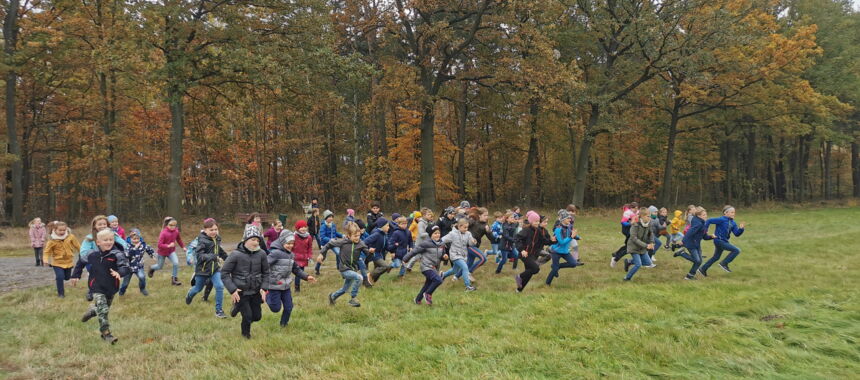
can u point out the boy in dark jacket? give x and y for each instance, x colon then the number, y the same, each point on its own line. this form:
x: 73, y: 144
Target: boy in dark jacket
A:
x: 283, y: 266
x: 352, y: 253
x: 245, y: 273
x: 314, y: 226
x: 446, y: 221
x: 506, y: 241
x: 209, y: 256
x: 377, y: 243
x: 107, y: 265
x: 374, y: 214
x: 400, y: 244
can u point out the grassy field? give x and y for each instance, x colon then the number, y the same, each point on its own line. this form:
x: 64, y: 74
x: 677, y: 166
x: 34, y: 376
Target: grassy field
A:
x: 789, y: 310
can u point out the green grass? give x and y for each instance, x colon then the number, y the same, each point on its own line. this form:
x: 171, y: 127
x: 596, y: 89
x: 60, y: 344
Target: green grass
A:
x: 798, y: 265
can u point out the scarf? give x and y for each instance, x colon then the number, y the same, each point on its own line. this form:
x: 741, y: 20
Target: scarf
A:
x: 303, y: 235
x: 57, y: 237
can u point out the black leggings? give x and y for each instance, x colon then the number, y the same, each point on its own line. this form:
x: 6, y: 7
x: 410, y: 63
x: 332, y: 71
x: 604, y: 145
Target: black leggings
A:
x: 38, y: 253
x: 532, y: 268
x: 249, y: 306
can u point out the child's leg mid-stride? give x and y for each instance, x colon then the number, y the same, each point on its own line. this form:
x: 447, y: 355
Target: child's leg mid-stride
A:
x: 431, y: 282
x: 352, y: 280
x: 276, y: 298
x: 504, y: 255
x: 569, y: 262
x: 638, y: 261
x: 718, y: 253
x: 476, y: 259
x: 100, y: 308
x: 249, y: 306
x: 459, y: 267
x: 532, y: 268
x: 60, y: 275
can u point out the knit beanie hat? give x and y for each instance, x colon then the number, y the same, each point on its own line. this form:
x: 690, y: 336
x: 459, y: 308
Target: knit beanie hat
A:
x: 652, y: 209
x: 381, y: 222
x: 301, y: 223
x: 134, y: 232
x: 290, y: 238
x: 465, y: 204
x: 394, y: 216
x: 360, y: 224
x: 112, y: 219
x: 350, y: 212
x: 327, y: 213
x: 533, y: 217
x: 449, y: 210
x: 563, y: 214
x: 416, y: 214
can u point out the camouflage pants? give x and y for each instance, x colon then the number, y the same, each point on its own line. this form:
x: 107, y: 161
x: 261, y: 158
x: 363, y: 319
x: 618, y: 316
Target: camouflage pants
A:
x: 101, y: 307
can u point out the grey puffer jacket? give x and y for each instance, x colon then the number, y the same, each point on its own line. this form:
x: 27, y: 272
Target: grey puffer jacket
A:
x: 459, y: 243
x: 431, y: 254
x: 246, y: 270
x: 282, y: 265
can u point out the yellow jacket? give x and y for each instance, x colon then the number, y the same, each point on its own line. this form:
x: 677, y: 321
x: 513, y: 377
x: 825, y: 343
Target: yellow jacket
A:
x: 677, y: 223
x: 61, y: 252
x: 413, y: 228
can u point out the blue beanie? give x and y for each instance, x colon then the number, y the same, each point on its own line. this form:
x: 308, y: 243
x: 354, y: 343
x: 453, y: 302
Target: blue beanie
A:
x: 381, y: 222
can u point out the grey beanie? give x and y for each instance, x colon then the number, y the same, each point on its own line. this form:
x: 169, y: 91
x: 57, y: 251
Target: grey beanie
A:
x: 327, y: 213
x: 465, y: 204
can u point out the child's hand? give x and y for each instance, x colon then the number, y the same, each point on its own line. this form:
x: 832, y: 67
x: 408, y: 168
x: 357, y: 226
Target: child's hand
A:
x: 235, y: 296
x: 743, y: 224
x: 115, y: 274
x: 369, y: 279
x: 171, y: 245
x: 574, y: 232
x: 524, y: 254
x: 650, y: 246
x: 372, y: 250
x: 74, y: 282
x: 445, y: 257
x: 319, y: 259
x: 312, y: 279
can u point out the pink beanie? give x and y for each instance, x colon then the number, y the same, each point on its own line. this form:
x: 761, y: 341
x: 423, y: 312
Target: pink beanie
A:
x: 350, y: 212
x: 533, y: 217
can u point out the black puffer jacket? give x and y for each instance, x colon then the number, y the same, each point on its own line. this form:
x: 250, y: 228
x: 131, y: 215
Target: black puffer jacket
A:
x: 101, y: 264
x: 445, y: 225
x: 245, y: 270
x: 209, y: 255
x: 282, y: 266
x: 532, y: 240
x: 479, y: 230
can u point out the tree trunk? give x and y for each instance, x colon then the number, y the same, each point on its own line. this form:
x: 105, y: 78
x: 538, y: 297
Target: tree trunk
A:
x: 666, y: 189
x: 177, y: 130
x: 855, y: 166
x: 428, y: 161
x: 461, y: 141
x: 10, y: 39
x: 828, y: 188
x: 752, y: 181
x: 584, y: 154
x: 531, y: 158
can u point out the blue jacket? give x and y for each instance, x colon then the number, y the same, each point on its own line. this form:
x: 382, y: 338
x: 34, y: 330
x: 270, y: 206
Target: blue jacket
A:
x: 496, y: 230
x: 725, y: 227
x: 400, y: 243
x: 89, y: 245
x: 562, y: 240
x: 378, y: 240
x: 328, y: 233
x: 697, y: 232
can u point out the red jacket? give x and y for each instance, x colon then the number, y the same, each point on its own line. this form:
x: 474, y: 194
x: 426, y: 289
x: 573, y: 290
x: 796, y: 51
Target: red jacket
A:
x: 303, y: 249
x: 165, y: 238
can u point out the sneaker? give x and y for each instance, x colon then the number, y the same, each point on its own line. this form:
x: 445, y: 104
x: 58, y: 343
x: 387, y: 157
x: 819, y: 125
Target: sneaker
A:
x: 317, y: 271
x: 651, y: 266
x: 122, y: 292
x: 418, y: 300
x: 454, y: 278
x: 331, y: 299
x: 88, y: 315
x: 246, y: 336
x: 471, y: 279
x: 625, y: 279
x: 89, y: 297
x: 612, y: 262
x: 689, y: 277
x: 188, y: 299
x: 653, y: 259
x: 519, y: 281
x: 703, y: 273
x: 470, y: 289
x: 234, y: 310
x: 725, y: 267
x: 677, y: 253
x: 61, y: 296
x: 220, y: 314
x: 150, y: 272
x: 627, y: 265
x: 354, y: 303
x: 107, y: 337
x: 144, y: 292
x: 428, y: 298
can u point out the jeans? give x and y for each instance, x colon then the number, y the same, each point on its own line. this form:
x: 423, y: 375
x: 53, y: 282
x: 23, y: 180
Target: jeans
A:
x: 249, y: 307
x: 38, y: 253
x: 431, y: 282
x: 200, y: 281
x: 398, y: 263
x: 141, y: 280
x: 351, y: 280
x: 494, y: 250
x: 657, y: 245
x: 695, y: 257
x: 461, y: 270
x: 504, y: 256
x: 276, y: 298
x: 173, y: 260
x: 719, y: 247
x: 639, y: 259
x: 60, y: 275
x: 570, y: 262
x: 476, y: 258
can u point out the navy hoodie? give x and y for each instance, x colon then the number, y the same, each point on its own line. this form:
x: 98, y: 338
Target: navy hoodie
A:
x: 400, y: 243
x: 377, y: 240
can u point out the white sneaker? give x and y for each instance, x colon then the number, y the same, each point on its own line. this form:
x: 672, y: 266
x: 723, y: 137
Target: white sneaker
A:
x: 454, y: 278
x: 471, y: 279
x: 612, y: 262
x: 651, y: 266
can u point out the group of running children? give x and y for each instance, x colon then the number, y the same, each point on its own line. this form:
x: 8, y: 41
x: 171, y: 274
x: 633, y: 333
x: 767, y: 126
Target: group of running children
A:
x: 266, y: 266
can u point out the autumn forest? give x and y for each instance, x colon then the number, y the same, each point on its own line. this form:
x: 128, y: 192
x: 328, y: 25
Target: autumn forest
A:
x: 147, y: 108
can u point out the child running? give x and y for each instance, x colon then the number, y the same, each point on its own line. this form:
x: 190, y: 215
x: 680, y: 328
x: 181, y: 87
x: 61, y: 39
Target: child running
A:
x: 507, y: 241
x: 400, y: 244
x: 459, y: 240
x: 244, y: 273
x: 675, y: 228
x: 432, y: 252
x: 565, y: 235
x: 693, y: 242
x: 350, y: 264
x: 377, y: 244
x: 302, y: 249
x: 113, y: 223
x: 283, y: 266
x: 530, y: 241
x: 136, y: 249
x: 641, y: 241
x: 168, y: 239
x: 210, y: 257
x: 107, y: 266
x: 328, y: 232
x: 726, y: 226
x: 60, y: 253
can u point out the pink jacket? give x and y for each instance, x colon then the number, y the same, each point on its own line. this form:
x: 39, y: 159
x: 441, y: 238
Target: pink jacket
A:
x: 165, y: 238
x: 37, y: 236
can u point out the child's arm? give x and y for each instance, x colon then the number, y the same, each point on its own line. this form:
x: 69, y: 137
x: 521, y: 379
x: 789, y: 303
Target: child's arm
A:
x: 122, y: 266
x: 737, y: 230
x: 298, y: 272
x: 78, y: 270
x: 48, y: 252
